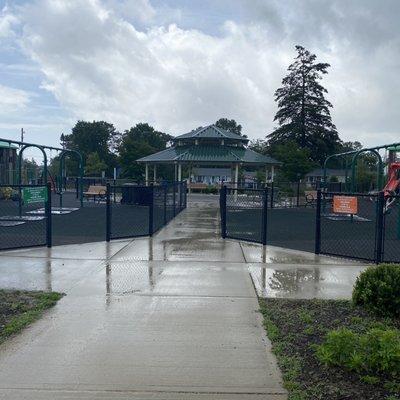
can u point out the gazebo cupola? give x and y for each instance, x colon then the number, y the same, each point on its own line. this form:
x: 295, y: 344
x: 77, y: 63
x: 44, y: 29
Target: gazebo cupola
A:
x: 208, y: 146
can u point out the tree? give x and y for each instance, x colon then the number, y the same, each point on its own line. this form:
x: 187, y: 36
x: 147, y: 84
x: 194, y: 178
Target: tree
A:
x: 94, y: 166
x: 140, y: 141
x: 350, y: 146
x: 93, y: 137
x: 30, y: 170
x: 230, y: 125
x: 296, y: 160
x: 303, y: 112
x: 259, y: 145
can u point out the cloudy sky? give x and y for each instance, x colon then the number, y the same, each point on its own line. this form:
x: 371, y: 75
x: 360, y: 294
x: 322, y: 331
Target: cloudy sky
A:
x: 179, y: 64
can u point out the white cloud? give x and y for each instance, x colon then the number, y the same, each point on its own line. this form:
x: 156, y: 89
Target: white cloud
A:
x: 7, y: 23
x: 113, y: 60
x: 12, y: 100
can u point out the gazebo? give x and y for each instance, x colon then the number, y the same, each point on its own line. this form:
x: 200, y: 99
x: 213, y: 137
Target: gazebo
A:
x: 212, y: 147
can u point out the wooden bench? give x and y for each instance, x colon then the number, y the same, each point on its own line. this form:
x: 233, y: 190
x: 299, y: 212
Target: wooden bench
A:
x: 96, y: 191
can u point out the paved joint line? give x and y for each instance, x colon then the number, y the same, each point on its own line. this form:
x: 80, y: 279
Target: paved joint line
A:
x: 243, y: 254
x: 271, y: 391
x: 200, y: 296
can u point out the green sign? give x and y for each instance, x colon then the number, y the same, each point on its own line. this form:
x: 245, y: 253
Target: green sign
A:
x: 34, y: 195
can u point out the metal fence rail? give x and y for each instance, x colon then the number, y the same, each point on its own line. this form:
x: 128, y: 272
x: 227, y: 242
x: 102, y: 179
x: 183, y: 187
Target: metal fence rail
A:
x: 124, y: 211
x: 369, y: 232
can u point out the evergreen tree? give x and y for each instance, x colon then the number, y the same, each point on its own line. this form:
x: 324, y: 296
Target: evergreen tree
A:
x: 304, y: 112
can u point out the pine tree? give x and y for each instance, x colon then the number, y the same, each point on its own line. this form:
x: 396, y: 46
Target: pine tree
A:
x: 303, y: 111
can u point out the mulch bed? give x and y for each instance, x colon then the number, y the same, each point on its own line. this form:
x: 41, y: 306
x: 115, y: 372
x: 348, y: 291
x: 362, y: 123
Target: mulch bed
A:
x: 296, y: 326
x: 20, y: 308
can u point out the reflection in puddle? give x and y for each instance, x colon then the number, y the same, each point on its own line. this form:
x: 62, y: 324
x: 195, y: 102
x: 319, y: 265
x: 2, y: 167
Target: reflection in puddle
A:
x: 301, y: 280
x: 128, y: 276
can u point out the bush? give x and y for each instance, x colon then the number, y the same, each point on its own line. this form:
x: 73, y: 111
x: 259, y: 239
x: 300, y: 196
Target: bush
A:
x: 377, y: 351
x: 211, y: 190
x: 6, y: 193
x: 378, y: 289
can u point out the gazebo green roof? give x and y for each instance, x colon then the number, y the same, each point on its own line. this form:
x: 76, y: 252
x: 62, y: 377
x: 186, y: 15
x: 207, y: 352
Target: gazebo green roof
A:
x: 210, y: 145
x: 211, y: 132
x: 209, y: 154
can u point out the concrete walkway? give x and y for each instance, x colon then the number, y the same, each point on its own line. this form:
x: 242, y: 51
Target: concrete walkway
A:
x: 172, y: 317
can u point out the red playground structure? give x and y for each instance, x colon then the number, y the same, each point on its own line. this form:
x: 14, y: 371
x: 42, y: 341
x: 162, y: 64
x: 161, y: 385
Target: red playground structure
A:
x: 392, y: 187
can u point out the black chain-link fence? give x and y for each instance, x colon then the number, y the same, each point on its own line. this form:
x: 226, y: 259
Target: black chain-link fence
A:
x: 349, y: 234
x: 291, y: 227
x: 242, y: 212
x: 130, y: 208
x: 31, y: 215
x: 352, y: 225
x: 24, y: 215
x: 135, y: 210
x: 391, y: 230
x: 246, y: 214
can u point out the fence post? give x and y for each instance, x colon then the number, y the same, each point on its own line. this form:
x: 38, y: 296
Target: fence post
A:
x: 151, y: 210
x: 108, y: 213
x: 174, y: 197
x: 49, y: 226
x: 379, y: 236
x: 318, y: 223
x: 272, y: 194
x: 298, y: 194
x: 222, y: 207
x: 264, y: 217
x: 165, y: 203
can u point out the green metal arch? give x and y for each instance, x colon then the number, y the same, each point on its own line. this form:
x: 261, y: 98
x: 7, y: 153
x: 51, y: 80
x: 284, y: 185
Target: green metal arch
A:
x: 379, y: 169
x: 20, y: 154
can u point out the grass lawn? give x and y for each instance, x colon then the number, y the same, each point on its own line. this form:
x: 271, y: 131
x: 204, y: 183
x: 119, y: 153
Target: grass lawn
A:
x: 295, y: 327
x: 19, y: 308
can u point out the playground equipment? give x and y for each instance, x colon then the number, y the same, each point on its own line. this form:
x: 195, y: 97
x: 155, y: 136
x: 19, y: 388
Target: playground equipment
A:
x: 393, y: 169
x: 392, y: 186
x: 23, y: 146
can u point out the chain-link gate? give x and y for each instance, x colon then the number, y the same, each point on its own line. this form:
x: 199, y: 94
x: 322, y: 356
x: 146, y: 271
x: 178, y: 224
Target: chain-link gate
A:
x: 243, y: 214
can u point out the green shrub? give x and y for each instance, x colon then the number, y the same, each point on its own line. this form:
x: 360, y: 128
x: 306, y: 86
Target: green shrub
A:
x: 378, y: 289
x: 376, y: 351
x: 211, y: 190
x: 6, y: 193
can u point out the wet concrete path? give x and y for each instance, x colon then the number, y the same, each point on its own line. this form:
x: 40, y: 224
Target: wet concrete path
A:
x: 171, y: 317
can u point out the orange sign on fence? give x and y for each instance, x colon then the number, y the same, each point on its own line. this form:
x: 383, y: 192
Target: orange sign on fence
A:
x: 345, y: 204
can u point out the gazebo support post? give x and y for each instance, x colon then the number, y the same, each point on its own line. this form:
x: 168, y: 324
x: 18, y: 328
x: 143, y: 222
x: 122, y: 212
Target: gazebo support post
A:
x: 236, y: 181
x: 190, y: 178
x: 175, y: 171
x: 147, y: 174
x: 155, y: 173
x: 272, y: 173
x: 179, y: 172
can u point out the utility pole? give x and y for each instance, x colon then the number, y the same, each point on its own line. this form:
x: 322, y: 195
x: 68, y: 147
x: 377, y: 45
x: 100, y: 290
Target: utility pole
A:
x: 22, y: 134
